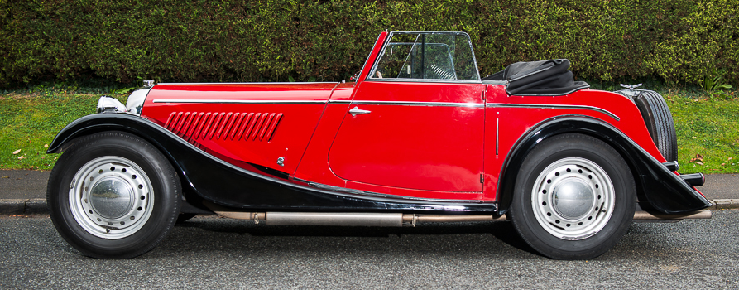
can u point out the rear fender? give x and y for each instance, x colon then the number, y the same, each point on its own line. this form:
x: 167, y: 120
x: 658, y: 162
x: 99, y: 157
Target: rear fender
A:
x: 660, y: 188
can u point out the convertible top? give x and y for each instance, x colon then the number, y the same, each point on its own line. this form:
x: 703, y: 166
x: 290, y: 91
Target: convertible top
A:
x: 541, y: 77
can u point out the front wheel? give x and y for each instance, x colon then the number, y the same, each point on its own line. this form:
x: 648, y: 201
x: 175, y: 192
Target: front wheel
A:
x: 113, y: 195
x: 574, y: 197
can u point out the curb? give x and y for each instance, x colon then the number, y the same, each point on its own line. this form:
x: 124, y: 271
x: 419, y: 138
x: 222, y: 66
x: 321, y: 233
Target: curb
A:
x: 23, y: 206
x: 38, y: 206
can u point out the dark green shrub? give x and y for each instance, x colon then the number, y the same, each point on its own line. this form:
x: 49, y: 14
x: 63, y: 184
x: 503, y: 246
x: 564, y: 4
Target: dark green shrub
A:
x: 166, y: 40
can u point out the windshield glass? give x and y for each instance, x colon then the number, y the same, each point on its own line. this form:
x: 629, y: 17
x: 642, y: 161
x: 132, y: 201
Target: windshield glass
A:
x: 445, y: 56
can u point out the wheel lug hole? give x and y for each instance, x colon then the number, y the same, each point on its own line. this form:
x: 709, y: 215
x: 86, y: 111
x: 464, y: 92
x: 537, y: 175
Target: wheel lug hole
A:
x: 112, y: 169
x: 132, y: 217
x: 568, y: 170
x: 143, y: 197
x: 123, y: 170
x: 549, y: 181
x: 549, y: 214
x: 579, y: 171
x: 556, y: 221
x: 133, y: 176
x: 544, y: 191
x: 556, y: 174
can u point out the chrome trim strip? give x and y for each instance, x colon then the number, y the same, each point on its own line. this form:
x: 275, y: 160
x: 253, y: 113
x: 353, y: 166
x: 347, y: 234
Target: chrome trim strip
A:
x: 409, y: 80
x: 555, y: 106
x: 255, y: 83
x: 405, y: 103
x: 221, y: 101
x: 369, y: 194
x: 497, y: 132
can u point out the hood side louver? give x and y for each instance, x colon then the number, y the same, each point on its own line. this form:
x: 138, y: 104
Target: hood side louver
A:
x: 231, y: 126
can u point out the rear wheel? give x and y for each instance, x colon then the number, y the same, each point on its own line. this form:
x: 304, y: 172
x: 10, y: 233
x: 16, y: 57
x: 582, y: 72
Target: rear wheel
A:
x: 574, y: 197
x: 113, y: 195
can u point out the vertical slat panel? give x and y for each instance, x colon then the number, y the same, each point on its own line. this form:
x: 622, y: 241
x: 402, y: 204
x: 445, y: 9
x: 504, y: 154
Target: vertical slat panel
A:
x: 216, y: 125
x: 267, y: 123
x: 244, y: 125
x: 182, y: 127
x: 236, y: 126
x: 195, y: 123
x: 257, y: 127
x: 180, y: 118
x: 172, y: 116
x: 273, y: 127
x: 203, y: 123
x: 252, y: 124
x: 225, y: 125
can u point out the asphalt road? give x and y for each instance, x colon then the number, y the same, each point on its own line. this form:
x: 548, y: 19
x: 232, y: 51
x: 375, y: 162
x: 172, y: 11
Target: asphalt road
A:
x: 209, y: 252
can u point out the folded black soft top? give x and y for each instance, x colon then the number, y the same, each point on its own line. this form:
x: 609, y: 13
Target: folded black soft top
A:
x: 539, y: 78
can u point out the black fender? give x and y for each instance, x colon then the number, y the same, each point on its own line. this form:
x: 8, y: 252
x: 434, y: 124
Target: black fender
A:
x: 251, y: 186
x: 656, y: 185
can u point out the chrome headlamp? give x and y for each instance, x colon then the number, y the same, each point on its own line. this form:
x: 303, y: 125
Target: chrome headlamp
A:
x: 134, y: 103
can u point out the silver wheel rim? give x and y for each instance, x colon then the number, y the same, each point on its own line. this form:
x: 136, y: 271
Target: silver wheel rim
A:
x: 111, y: 197
x: 573, y: 198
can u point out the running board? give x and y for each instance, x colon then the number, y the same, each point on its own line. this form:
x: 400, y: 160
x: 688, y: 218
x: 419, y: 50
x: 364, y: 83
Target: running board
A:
x: 400, y: 219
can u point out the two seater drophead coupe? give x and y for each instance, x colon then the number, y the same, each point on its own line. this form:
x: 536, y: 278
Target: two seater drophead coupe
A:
x: 417, y: 136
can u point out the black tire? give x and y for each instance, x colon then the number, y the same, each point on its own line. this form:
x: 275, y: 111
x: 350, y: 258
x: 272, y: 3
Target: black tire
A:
x: 565, y: 190
x: 657, y: 118
x: 113, y: 195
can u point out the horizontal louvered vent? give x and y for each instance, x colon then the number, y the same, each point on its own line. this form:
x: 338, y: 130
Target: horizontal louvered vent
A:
x: 225, y: 126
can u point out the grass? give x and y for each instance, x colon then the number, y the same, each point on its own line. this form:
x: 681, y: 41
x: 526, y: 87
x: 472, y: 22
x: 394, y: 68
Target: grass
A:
x: 707, y: 125
x: 707, y: 131
x: 29, y: 122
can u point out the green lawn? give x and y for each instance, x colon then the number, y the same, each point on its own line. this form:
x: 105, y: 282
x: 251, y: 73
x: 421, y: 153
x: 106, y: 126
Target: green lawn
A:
x: 29, y: 122
x: 707, y: 125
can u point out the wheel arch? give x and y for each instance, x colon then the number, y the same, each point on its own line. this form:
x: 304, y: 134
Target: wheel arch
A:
x: 656, y: 186
x: 134, y: 125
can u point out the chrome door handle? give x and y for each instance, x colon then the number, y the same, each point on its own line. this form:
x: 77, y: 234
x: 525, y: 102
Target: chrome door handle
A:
x: 357, y: 111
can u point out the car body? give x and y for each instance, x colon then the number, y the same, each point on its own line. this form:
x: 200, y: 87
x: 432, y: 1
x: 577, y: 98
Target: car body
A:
x: 419, y: 136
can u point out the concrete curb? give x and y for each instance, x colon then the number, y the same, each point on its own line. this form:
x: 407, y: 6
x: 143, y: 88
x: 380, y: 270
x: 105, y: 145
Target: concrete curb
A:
x: 38, y: 206
x: 23, y: 206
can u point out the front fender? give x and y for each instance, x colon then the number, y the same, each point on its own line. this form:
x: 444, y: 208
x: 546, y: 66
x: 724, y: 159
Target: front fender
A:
x: 660, y: 188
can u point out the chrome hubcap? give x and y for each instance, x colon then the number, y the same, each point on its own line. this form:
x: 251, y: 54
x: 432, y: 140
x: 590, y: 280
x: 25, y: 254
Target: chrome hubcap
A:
x: 573, y: 198
x: 111, y: 197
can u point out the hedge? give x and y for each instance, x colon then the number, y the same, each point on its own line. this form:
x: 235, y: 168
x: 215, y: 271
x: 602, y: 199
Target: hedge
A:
x: 170, y: 40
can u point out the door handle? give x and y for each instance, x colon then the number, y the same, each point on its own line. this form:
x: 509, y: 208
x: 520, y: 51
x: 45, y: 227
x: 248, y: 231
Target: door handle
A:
x: 357, y: 111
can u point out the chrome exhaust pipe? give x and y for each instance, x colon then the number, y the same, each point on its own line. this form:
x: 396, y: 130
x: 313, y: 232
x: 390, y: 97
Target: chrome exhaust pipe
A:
x: 399, y: 219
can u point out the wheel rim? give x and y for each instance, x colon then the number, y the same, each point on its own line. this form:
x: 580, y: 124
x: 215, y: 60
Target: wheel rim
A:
x: 111, y: 197
x: 573, y: 198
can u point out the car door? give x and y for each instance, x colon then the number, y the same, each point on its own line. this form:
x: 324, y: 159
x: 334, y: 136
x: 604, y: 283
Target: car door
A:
x: 417, y: 122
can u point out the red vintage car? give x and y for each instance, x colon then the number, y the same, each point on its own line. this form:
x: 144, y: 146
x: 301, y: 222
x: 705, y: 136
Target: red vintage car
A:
x: 419, y: 136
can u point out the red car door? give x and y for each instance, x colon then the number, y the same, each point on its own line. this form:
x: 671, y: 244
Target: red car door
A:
x: 415, y: 124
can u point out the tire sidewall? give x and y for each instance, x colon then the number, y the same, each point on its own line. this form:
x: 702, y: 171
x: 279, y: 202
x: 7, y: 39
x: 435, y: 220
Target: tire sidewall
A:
x: 552, y: 150
x: 165, y: 188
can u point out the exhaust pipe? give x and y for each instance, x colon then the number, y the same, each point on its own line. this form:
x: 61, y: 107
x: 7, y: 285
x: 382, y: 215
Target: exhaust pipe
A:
x: 399, y: 219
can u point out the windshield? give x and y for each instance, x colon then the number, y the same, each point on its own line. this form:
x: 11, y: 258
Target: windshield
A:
x: 445, y: 56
